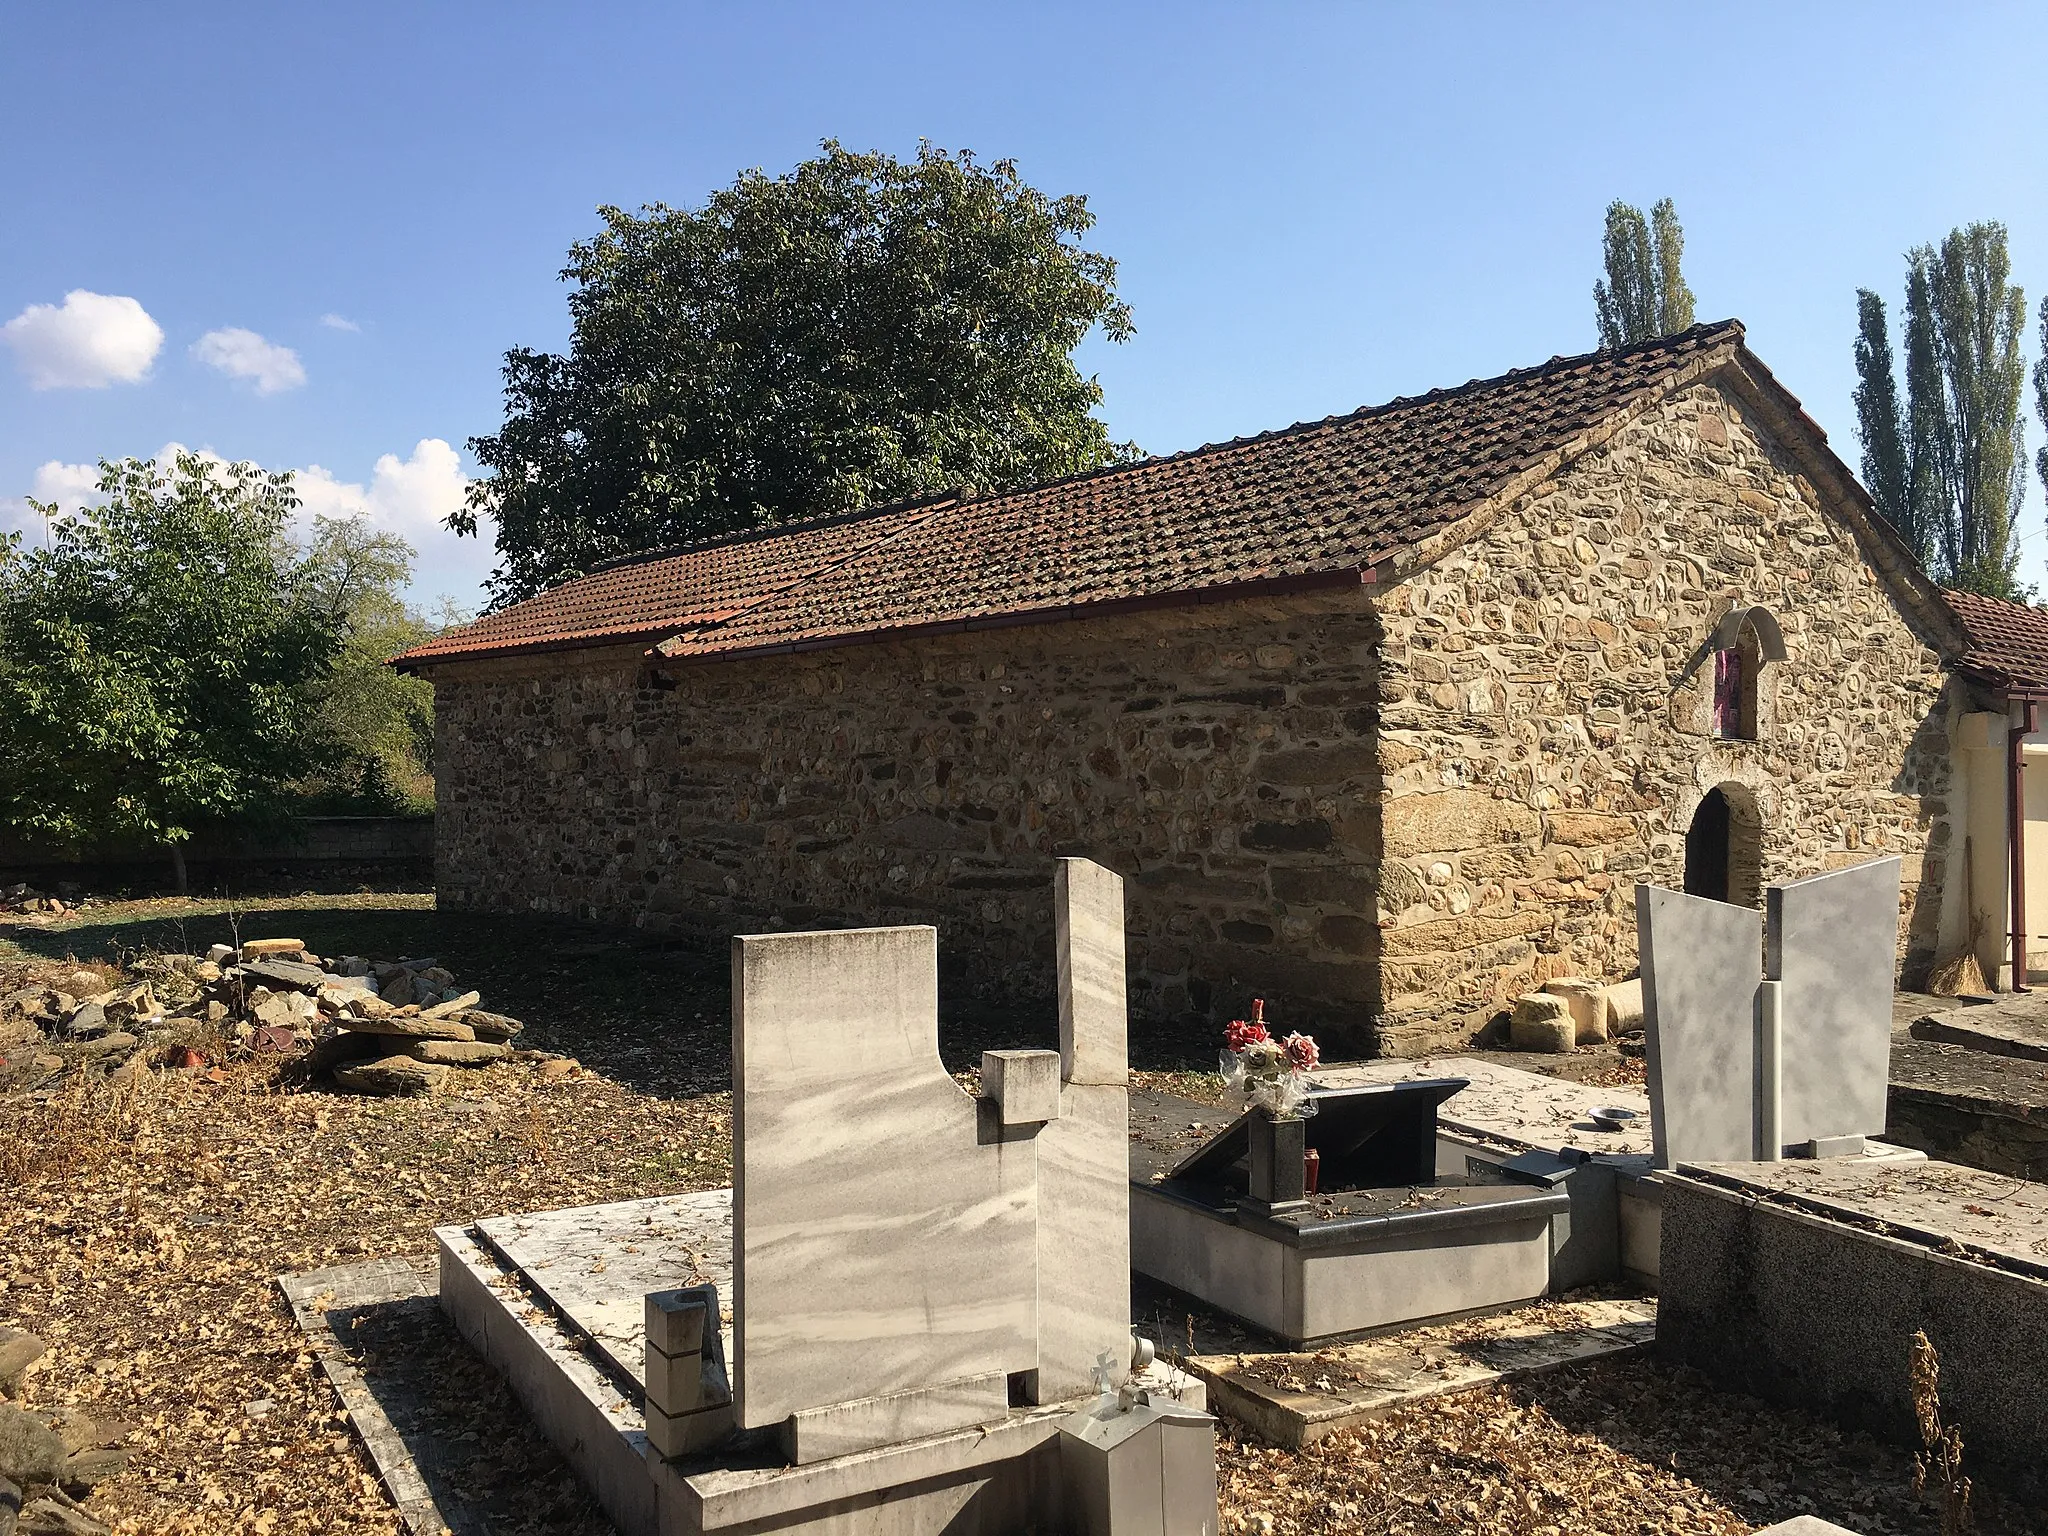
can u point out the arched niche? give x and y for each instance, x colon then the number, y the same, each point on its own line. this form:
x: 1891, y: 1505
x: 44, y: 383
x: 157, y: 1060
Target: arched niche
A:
x: 1724, y: 846
x: 1745, y: 642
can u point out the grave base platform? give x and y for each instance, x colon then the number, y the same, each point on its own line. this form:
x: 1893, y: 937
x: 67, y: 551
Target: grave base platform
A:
x: 1343, y: 1263
x: 554, y: 1302
x: 1804, y: 1283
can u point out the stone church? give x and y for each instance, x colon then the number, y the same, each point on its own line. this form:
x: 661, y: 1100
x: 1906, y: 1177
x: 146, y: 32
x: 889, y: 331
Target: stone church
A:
x: 1382, y: 716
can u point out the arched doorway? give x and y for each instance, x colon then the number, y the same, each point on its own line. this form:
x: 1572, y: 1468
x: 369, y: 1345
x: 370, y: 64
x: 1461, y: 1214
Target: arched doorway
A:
x: 1724, y: 847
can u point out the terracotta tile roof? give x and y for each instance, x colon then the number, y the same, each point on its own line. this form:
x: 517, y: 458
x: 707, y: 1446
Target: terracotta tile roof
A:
x: 2008, y: 642
x: 1320, y: 501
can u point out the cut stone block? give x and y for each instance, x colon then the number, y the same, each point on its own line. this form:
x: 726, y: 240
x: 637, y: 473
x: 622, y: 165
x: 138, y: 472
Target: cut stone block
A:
x: 1836, y: 1146
x: 411, y: 1026
x: 1702, y: 965
x: 1541, y: 1022
x: 1024, y: 1086
x: 1625, y: 1007
x: 1140, y: 1471
x: 256, y: 948
x: 1587, y: 1000
x: 674, y: 1435
x: 457, y: 1053
x: 1833, y: 946
x: 677, y: 1321
x: 879, y: 1246
x: 392, y: 1075
x: 1088, y: 933
x: 820, y: 1434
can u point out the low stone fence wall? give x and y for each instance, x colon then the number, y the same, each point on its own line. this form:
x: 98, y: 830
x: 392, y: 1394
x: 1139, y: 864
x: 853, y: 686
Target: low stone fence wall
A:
x: 402, y: 845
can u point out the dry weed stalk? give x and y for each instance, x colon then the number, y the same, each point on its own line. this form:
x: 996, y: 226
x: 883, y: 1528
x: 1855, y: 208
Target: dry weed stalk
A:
x: 1943, y: 1453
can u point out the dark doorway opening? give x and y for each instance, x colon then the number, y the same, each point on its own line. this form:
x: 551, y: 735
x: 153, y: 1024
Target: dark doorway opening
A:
x: 1706, y: 849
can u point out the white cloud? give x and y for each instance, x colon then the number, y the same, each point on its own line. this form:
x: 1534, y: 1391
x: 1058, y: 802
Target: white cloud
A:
x: 335, y: 322
x: 89, y: 341
x: 407, y: 496
x: 243, y: 354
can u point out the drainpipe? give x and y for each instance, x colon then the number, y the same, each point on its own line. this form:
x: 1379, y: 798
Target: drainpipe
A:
x: 2016, y: 838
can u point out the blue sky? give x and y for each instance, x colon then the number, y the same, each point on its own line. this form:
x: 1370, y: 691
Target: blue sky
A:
x: 1315, y: 207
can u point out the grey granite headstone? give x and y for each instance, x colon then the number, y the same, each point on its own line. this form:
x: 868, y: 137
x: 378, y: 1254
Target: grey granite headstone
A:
x: 1832, y: 943
x: 1702, y: 961
x: 880, y: 1245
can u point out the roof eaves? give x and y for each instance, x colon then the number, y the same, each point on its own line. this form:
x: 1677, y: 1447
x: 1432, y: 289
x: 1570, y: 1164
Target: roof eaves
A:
x: 1223, y: 592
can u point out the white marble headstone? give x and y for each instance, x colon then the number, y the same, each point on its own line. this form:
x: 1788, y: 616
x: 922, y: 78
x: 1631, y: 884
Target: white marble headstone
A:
x: 1832, y: 942
x: 1084, y: 1178
x: 1702, y: 961
x: 881, y: 1246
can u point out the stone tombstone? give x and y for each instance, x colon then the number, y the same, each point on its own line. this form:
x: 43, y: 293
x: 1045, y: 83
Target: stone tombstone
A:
x: 906, y: 1258
x: 1759, y: 1040
x: 1084, y: 1172
x: 881, y: 1246
x: 1702, y: 962
x: 1831, y: 944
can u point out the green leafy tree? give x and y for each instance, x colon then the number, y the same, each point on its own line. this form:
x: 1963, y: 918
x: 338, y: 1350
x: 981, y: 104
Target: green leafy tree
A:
x: 859, y: 330
x: 154, y: 661
x: 1948, y: 470
x: 372, y: 728
x: 1644, y: 295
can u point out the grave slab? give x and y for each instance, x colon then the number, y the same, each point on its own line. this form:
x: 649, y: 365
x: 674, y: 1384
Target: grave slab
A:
x: 1832, y: 942
x: 1702, y: 963
x: 595, y: 1264
x: 1294, y: 1400
x: 857, y: 1162
x: 2014, y: 1025
x: 1528, y: 1109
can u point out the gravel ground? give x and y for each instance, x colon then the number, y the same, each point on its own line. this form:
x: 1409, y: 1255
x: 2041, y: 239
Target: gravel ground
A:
x: 147, y: 1220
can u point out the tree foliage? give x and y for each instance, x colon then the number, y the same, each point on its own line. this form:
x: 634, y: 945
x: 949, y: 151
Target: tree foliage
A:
x: 1947, y: 469
x: 372, y: 727
x: 1644, y: 295
x: 154, y: 660
x: 859, y: 330
x: 2041, y: 396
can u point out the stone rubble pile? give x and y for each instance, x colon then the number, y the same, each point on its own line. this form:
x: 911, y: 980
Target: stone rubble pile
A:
x: 26, y: 898
x: 1571, y: 1011
x: 382, y: 1027
x: 48, y: 1461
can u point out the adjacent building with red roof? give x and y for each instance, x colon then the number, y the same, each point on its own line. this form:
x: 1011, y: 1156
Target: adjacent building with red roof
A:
x: 1381, y: 716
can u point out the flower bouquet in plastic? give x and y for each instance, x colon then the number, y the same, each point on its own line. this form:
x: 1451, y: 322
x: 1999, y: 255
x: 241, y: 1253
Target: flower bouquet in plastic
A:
x: 1271, y: 1074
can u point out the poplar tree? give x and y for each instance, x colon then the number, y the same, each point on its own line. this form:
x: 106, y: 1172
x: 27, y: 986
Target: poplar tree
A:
x: 2041, y: 396
x: 1644, y: 294
x: 1948, y: 470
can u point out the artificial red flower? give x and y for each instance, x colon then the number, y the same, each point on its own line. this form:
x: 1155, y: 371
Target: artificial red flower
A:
x: 1302, y: 1055
x: 1241, y: 1033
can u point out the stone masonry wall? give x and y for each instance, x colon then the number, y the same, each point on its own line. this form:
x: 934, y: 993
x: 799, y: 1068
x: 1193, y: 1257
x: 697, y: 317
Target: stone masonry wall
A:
x: 1220, y: 757
x: 1546, y: 715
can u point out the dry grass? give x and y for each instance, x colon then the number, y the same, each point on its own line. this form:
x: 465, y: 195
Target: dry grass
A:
x: 143, y: 1224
